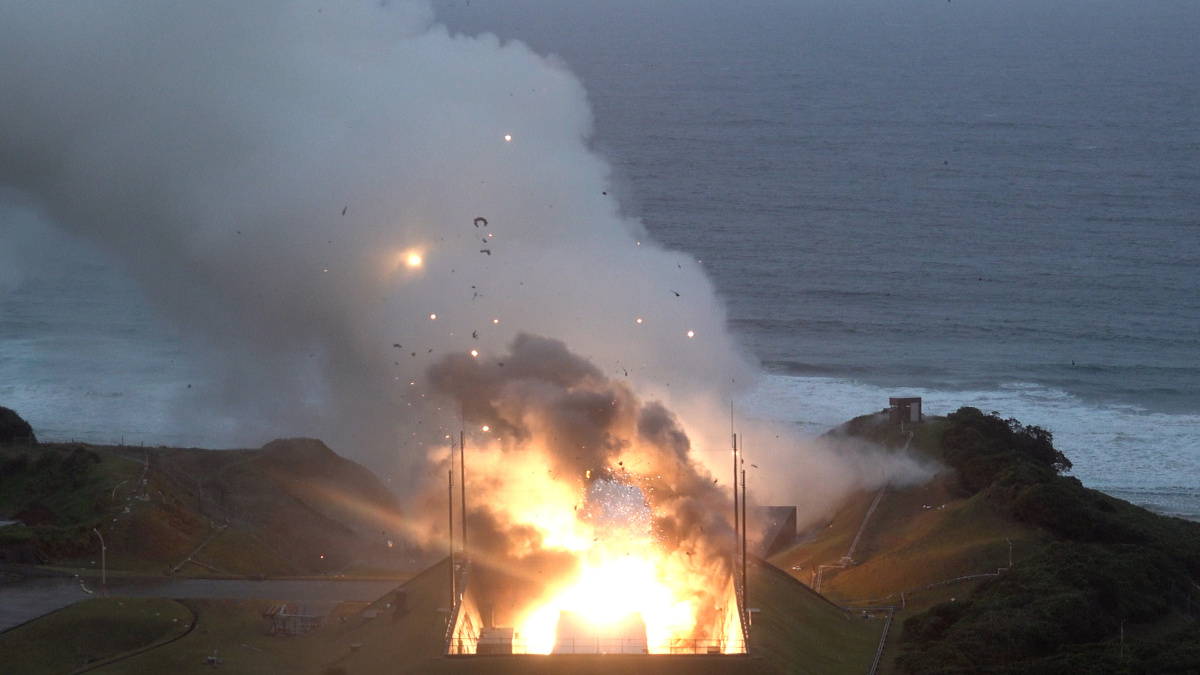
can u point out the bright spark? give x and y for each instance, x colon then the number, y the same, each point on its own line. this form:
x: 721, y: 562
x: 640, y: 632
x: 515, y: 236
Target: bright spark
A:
x: 433, y: 317
x: 507, y: 137
x: 486, y: 428
x: 413, y: 260
x: 639, y: 320
x: 691, y: 333
x: 474, y: 353
x: 495, y: 320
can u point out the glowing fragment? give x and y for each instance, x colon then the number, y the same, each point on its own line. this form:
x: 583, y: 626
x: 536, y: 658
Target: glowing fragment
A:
x: 495, y: 320
x: 433, y: 317
x: 691, y: 333
x: 639, y: 320
x: 507, y: 137
x: 474, y: 353
x: 413, y: 260
x: 486, y: 428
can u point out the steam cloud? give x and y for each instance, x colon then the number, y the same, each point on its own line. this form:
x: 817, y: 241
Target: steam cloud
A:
x: 265, y: 170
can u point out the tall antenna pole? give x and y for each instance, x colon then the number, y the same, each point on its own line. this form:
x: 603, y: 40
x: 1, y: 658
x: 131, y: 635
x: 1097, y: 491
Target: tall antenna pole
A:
x: 745, y: 599
x: 736, y: 530
x: 462, y: 457
x: 453, y: 590
x: 736, y: 526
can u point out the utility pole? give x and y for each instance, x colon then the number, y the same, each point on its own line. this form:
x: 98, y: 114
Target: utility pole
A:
x: 453, y: 590
x: 745, y: 599
x: 462, y: 456
x: 103, y: 564
x: 736, y: 518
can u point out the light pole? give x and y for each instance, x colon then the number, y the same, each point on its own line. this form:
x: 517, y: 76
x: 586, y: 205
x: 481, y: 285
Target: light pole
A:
x: 103, y: 565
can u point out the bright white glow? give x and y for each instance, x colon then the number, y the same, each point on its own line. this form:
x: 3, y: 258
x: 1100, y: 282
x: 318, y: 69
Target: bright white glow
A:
x: 433, y: 317
x: 607, y: 590
x: 486, y: 428
x: 474, y: 353
x: 691, y: 333
x: 639, y: 320
x: 413, y: 260
x: 507, y: 137
x: 495, y: 320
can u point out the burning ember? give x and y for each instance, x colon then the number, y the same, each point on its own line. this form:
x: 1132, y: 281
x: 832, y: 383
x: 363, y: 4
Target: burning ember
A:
x: 587, y: 517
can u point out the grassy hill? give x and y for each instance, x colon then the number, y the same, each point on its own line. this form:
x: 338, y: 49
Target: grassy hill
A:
x: 1095, y: 585
x: 291, y: 507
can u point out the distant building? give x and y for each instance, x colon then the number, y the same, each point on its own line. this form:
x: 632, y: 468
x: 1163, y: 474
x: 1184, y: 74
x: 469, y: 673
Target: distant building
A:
x: 905, y: 409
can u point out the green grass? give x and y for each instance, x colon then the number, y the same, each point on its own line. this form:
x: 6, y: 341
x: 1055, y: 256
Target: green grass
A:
x: 798, y: 631
x: 231, y: 629
x: 89, y: 632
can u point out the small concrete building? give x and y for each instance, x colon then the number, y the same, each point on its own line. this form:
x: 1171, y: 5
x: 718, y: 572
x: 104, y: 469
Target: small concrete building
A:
x: 904, y: 409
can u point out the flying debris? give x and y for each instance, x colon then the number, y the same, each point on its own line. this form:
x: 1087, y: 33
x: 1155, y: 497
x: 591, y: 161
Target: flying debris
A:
x: 481, y: 221
x: 396, y: 345
x: 344, y: 210
x: 474, y: 335
x: 484, y: 250
x: 676, y: 293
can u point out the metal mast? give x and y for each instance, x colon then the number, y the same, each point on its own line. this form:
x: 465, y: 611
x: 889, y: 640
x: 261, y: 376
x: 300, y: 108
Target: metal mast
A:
x: 744, y: 598
x: 453, y: 590
x: 462, y: 456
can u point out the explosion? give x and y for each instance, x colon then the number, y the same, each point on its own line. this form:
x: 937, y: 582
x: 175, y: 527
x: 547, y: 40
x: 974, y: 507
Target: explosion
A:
x: 586, y: 512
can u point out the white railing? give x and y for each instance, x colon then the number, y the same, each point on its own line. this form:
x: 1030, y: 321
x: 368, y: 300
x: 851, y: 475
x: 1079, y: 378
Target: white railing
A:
x: 597, y: 646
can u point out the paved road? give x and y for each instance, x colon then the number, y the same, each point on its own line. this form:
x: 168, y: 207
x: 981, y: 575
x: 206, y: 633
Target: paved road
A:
x: 31, y: 597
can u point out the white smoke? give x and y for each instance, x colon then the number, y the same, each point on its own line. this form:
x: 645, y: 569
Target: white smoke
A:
x: 264, y: 169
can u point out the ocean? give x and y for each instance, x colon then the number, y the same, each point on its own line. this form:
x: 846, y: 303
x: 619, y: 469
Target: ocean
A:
x: 989, y: 204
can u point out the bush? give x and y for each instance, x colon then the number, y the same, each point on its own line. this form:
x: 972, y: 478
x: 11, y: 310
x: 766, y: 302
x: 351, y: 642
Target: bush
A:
x: 13, y: 429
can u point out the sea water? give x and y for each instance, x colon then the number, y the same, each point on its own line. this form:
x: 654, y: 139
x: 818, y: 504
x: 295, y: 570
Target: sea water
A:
x: 989, y: 204
x: 993, y: 204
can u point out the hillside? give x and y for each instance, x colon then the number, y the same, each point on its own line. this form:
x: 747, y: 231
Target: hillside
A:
x: 1095, y: 584
x: 291, y: 507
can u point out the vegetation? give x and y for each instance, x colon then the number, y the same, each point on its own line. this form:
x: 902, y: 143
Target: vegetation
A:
x: 14, y: 429
x: 90, y: 632
x: 58, y: 494
x: 798, y: 631
x: 1113, y: 594
x: 293, y: 507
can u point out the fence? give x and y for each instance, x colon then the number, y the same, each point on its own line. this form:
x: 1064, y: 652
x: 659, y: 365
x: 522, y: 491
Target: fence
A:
x: 476, y: 645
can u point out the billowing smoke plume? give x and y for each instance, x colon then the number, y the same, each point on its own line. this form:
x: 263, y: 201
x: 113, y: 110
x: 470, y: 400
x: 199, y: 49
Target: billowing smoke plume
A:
x: 266, y: 169
x: 335, y: 195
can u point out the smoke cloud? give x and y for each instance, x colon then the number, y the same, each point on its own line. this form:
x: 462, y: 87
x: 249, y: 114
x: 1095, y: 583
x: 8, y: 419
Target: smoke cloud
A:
x: 337, y: 195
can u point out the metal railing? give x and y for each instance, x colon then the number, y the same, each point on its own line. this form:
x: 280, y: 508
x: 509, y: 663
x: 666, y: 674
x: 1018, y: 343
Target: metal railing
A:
x: 597, y: 646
